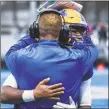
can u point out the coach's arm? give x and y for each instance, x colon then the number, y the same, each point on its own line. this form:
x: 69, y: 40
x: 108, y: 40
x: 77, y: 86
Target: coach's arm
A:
x: 22, y: 43
x: 10, y: 94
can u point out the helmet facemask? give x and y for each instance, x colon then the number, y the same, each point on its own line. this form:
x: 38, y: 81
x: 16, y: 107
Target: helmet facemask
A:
x: 77, y: 32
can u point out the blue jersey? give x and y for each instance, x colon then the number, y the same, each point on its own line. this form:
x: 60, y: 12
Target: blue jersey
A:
x: 47, y: 58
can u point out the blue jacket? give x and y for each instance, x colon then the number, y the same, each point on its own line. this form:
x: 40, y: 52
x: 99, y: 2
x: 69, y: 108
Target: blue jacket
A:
x: 47, y: 58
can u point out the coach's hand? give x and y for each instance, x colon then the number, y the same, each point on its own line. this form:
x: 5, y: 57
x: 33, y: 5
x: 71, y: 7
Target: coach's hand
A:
x: 50, y: 92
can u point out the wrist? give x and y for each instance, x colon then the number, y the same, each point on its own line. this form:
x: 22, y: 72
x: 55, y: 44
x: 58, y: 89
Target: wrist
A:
x: 36, y: 94
x: 28, y: 96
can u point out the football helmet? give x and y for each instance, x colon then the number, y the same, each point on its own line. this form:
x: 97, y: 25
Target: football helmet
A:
x: 76, y: 23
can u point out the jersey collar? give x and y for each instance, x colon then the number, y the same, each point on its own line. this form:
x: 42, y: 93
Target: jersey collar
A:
x: 48, y: 42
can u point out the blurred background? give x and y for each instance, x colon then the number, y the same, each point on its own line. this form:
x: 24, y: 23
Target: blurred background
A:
x: 16, y: 16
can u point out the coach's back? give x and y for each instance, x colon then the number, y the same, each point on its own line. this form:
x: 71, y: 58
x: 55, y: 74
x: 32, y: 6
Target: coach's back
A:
x: 48, y: 59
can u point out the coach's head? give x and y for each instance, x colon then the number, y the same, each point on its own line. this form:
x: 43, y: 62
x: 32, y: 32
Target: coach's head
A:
x: 47, y: 25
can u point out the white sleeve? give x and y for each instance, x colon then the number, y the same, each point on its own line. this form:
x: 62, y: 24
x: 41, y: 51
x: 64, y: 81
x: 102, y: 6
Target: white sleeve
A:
x: 10, y: 81
x: 85, y: 93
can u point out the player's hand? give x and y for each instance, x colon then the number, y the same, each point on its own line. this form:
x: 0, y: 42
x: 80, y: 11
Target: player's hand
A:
x: 65, y: 106
x: 59, y: 5
x: 49, y: 92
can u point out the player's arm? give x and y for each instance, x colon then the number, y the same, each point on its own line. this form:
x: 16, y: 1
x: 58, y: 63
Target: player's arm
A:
x: 59, y: 5
x: 85, y: 98
x: 10, y: 94
x: 85, y: 95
